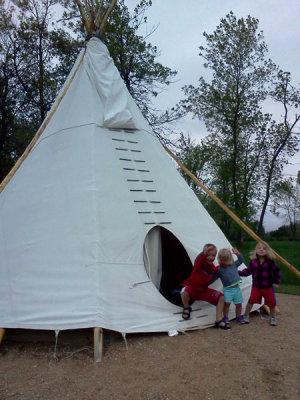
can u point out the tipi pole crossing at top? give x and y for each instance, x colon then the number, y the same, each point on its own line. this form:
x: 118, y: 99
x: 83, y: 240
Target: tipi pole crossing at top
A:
x: 228, y: 211
x: 95, y: 16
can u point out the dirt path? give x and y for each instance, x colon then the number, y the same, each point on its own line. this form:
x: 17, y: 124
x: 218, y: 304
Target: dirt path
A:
x: 254, y: 361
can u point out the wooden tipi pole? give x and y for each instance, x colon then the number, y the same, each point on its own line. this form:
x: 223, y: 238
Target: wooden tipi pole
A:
x: 228, y: 211
x: 94, y: 17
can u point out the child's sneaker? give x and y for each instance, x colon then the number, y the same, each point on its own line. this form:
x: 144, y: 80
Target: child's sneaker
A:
x: 273, y: 321
x: 240, y: 319
x: 246, y: 319
x: 226, y: 320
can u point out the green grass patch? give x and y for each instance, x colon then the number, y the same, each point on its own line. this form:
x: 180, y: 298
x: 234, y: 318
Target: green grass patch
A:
x: 288, y: 289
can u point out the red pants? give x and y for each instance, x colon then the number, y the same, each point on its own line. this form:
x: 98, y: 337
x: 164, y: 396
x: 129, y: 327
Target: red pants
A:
x: 258, y: 293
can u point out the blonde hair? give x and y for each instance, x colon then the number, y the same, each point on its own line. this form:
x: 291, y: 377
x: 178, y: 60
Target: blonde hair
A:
x: 225, y: 257
x: 270, y: 253
x: 207, y: 245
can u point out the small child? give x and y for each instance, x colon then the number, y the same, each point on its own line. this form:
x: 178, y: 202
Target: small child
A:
x: 229, y: 275
x: 265, y: 272
x: 195, y: 287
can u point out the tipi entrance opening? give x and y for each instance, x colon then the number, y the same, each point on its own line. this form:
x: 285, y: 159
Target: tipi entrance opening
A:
x: 167, y: 262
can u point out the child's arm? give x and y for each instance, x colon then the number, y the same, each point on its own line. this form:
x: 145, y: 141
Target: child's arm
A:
x: 217, y: 276
x: 247, y: 271
x: 276, y: 274
x: 235, y: 251
x: 240, y: 258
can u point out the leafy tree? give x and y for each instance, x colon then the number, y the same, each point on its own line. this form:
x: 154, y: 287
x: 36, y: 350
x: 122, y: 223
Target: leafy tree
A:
x: 7, y: 96
x: 282, y: 233
x: 245, y: 147
x: 42, y: 55
x: 283, y: 139
x: 287, y: 202
x: 194, y: 157
x: 12, y: 124
x: 35, y: 58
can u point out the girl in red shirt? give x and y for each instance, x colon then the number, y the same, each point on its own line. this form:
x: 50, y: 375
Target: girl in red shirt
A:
x: 195, y: 287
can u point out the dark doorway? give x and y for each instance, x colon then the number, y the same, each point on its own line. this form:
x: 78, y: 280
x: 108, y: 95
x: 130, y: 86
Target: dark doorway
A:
x: 176, y: 266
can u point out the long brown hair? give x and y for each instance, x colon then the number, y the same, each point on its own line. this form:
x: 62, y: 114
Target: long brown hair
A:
x: 270, y: 254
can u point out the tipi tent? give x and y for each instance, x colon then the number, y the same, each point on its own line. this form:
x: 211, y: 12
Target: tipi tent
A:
x: 97, y: 226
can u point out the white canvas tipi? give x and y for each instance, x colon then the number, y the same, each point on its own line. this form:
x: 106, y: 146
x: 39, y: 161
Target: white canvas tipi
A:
x: 97, y: 226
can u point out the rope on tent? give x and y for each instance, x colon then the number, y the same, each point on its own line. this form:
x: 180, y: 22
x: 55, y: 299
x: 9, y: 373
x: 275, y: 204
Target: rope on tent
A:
x: 228, y: 211
x: 40, y: 131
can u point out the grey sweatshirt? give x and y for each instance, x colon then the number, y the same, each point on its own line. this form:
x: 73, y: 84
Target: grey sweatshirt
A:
x: 229, y: 274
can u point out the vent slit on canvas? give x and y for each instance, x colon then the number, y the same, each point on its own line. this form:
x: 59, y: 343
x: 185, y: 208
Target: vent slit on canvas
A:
x: 144, y: 189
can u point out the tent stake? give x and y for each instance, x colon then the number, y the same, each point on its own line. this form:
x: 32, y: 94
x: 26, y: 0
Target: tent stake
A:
x: 98, y: 344
x: 2, y: 331
x: 228, y: 211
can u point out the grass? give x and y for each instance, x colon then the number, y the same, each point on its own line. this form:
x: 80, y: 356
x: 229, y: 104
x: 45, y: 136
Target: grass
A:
x: 290, y: 251
x: 288, y: 289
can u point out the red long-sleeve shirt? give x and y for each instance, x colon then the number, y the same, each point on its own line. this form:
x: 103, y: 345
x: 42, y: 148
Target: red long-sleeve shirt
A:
x: 203, y: 274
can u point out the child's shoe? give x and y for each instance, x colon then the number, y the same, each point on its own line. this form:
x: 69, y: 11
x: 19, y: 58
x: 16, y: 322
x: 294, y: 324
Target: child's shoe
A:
x: 273, y: 321
x: 246, y: 319
x: 240, y: 319
x: 222, y: 324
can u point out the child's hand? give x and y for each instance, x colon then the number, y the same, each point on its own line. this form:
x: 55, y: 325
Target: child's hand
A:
x: 276, y: 285
x: 235, y: 251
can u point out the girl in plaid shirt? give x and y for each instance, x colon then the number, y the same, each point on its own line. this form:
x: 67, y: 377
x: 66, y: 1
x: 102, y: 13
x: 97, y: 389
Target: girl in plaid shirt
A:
x: 265, y: 272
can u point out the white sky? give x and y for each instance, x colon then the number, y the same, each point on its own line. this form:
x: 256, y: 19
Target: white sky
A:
x: 181, y: 24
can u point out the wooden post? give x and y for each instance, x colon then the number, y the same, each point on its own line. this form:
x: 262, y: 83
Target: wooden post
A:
x: 98, y: 344
x: 2, y: 331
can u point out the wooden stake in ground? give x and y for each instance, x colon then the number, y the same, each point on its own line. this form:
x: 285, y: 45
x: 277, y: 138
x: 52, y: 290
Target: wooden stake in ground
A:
x: 228, y: 211
x: 2, y: 331
x: 98, y: 344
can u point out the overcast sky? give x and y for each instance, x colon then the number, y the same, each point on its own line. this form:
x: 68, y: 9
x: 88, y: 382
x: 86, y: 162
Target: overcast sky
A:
x: 179, y: 34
